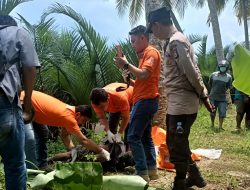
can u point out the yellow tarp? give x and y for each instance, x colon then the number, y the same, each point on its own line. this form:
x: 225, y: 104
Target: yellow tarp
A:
x: 241, y: 69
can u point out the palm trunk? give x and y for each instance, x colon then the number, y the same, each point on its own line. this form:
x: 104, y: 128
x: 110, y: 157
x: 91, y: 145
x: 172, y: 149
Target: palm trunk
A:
x: 244, y: 11
x: 175, y: 21
x: 216, y: 30
x: 160, y: 117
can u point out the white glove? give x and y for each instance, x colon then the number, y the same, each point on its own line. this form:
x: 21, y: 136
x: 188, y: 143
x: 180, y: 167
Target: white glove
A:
x: 118, y: 137
x: 105, y: 154
x: 125, y: 74
x: 111, y: 136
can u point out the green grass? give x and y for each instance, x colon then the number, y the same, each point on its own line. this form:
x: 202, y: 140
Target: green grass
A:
x: 235, y: 155
x: 202, y: 135
x: 231, y: 171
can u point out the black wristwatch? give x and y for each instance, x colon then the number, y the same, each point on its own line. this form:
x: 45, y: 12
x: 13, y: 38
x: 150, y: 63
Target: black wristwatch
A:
x: 125, y: 66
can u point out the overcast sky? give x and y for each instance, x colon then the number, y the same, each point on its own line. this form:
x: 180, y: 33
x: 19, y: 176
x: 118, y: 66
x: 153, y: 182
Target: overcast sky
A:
x: 103, y: 16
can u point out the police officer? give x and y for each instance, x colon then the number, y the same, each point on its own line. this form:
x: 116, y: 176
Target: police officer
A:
x: 184, y: 89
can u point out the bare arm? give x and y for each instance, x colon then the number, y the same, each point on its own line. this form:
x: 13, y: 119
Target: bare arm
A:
x: 124, y: 123
x: 65, y: 136
x: 87, y: 143
x: 29, y: 76
x: 132, y: 82
x: 104, y: 121
x: 29, y: 61
x: 141, y: 74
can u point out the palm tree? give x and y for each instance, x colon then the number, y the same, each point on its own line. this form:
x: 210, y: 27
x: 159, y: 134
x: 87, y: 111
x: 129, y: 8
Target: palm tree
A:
x: 216, y: 30
x: 6, y: 6
x: 136, y: 8
x: 73, y: 61
x: 214, y: 8
x: 242, y: 10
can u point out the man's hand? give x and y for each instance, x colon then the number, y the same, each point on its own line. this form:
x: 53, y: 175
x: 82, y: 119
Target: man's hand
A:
x: 27, y: 117
x: 125, y: 74
x: 117, y: 138
x: 111, y: 136
x: 208, y: 105
x: 103, y: 156
x: 121, y: 61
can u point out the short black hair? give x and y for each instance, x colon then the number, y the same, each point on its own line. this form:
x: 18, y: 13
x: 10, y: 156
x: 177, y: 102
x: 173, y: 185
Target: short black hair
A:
x: 98, y: 95
x: 139, y: 30
x: 84, y: 110
x: 7, y: 20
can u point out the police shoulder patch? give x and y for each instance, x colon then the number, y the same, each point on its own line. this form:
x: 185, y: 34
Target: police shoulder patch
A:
x: 173, y: 51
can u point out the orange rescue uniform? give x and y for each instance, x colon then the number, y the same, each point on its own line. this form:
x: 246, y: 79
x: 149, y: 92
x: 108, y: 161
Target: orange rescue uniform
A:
x: 53, y: 112
x: 148, y: 89
x: 117, y: 101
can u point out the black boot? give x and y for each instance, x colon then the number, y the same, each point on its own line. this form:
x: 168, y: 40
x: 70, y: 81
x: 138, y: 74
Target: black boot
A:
x: 179, y: 184
x: 194, y: 177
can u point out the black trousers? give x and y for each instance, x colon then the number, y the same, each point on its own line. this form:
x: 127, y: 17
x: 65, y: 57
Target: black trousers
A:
x: 114, y: 119
x: 177, y: 141
x: 41, y: 135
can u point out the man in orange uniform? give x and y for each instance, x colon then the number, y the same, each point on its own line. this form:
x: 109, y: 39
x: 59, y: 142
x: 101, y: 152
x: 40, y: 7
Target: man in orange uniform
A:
x: 52, y: 112
x: 117, y: 104
x: 145, y: 100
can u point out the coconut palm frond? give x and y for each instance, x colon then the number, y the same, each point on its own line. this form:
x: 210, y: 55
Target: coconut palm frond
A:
x: 7, y: 6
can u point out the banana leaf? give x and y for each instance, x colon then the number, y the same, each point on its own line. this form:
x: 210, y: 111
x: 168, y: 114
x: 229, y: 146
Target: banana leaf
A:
x: 42, y: 180
x: 123, y: 183
x: 77, y: 176
x: 86, y: 176
x: 241, y: 69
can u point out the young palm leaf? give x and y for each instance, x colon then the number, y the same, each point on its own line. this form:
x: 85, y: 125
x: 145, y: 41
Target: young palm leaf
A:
x: 6, y: 6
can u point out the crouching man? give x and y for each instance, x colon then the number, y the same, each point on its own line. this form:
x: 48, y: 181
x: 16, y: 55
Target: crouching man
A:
x: 52, y: 112
x: 117, y: 104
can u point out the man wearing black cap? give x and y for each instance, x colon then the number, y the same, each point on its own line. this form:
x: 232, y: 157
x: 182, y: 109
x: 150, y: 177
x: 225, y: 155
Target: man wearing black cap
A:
x: 145, y: 102
x: 184, y: 88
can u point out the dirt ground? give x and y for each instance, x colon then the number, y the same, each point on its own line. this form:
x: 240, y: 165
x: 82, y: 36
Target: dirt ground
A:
x: 220, y: 175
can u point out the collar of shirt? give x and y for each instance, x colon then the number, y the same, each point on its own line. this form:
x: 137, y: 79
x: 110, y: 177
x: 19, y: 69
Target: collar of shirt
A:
x: 168, y: 39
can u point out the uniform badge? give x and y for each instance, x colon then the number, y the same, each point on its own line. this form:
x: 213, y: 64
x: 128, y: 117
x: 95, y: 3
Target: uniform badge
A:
x: 174, y: 52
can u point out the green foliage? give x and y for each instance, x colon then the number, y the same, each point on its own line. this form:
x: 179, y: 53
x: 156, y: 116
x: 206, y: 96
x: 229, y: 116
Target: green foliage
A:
x: 85, y: 176
x: 135, y: 7
x: 71, y: 176
x: 6, y: 6
x: 96, y: 137
x: 2, y: 183
x: 74, y: 61
x: 55, y: 147
x: 124, y: 183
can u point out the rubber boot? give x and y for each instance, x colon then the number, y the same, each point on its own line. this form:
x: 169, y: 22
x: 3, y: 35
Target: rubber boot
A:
x: 179, y: 184
x: 194, y: 177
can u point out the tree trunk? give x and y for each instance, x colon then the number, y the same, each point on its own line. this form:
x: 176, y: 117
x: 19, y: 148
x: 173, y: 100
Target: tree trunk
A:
x: 216, y: 30
x: 160, y: 117
x: 244, y: 14
x: 175, y: 21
